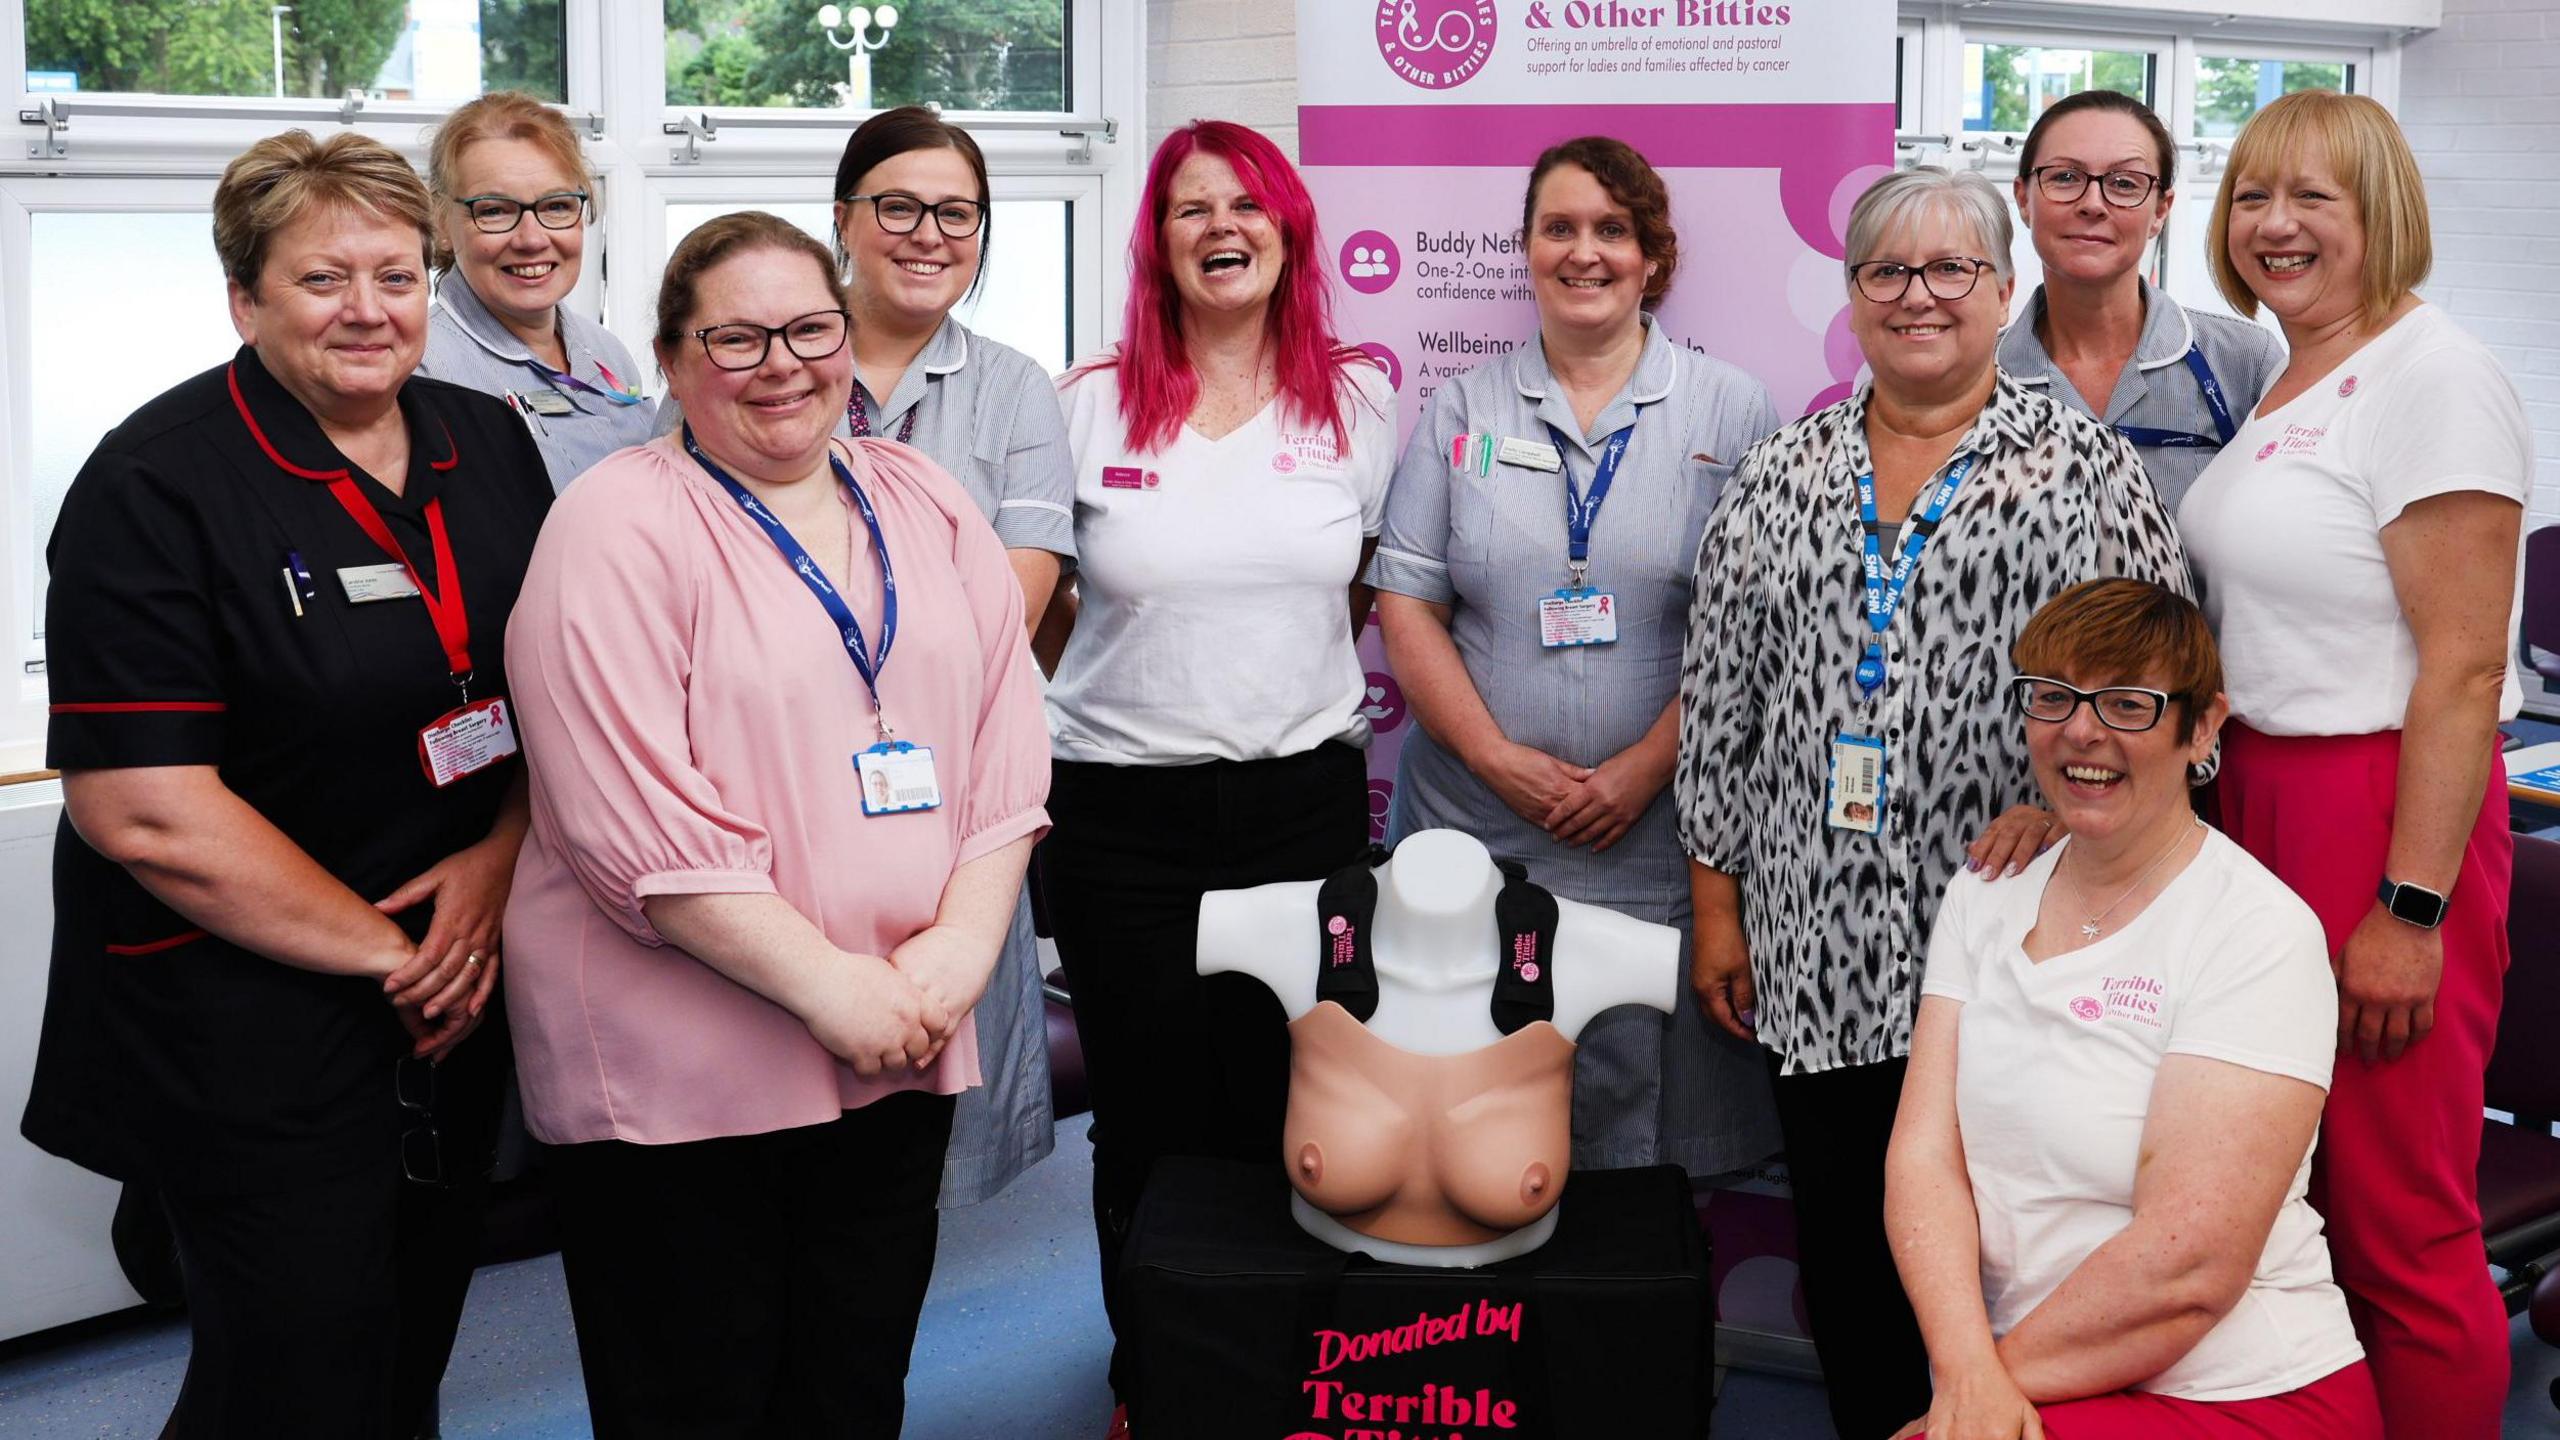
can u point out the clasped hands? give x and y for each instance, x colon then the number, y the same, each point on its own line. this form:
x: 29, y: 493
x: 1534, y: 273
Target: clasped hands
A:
x: 897, y: 1013
x: 1577, y: 804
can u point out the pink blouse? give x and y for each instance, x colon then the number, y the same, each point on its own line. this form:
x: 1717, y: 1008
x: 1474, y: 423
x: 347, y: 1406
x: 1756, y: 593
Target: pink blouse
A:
x: 690, y: 717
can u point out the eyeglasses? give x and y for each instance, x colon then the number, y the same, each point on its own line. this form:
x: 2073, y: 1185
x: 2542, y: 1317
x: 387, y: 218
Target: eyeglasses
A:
x: 1950, y: 277
x: 500, y: 214
x: 900, y: 213
x: 2129, y: 708
x: 421, y: 1148
x: 2123, y: 189
x: 744, y: 346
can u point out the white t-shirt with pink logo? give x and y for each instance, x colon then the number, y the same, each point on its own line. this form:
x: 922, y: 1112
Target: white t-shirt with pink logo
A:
x: 2054, y: 1068
x: 2284, y: 528
x: 1213, y: 577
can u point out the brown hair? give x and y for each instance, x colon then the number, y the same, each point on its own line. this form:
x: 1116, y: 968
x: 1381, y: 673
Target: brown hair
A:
x: 2114, y: 102
x: 1631, y: 181
x: 892, y: 133
x: 2124, y: 632
x: 498, y: 115
x: 2369, y: 156
x: 278, y: 180
x: 722, y: 239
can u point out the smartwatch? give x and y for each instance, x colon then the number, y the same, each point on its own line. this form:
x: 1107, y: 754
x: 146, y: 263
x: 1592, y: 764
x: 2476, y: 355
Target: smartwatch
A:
x: 2414, y: 904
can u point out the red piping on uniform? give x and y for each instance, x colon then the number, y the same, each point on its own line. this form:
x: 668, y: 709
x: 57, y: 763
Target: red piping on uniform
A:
x: 156, y: 946
x: 135, y: 707
x: 231, y: 375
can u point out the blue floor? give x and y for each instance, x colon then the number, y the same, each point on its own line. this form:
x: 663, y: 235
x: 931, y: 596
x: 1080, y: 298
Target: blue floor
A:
x: 1013, y: 1345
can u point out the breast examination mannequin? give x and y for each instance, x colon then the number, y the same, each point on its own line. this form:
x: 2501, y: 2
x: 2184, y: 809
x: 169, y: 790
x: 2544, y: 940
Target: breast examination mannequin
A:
x: 1431, y: 1066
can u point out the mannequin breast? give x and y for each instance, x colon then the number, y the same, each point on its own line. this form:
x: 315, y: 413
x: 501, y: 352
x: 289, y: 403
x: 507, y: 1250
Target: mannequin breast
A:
x: 1418, y: 1149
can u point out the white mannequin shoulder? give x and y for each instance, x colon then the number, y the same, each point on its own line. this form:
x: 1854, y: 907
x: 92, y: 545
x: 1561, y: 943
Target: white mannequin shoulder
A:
x: 1435, y: 943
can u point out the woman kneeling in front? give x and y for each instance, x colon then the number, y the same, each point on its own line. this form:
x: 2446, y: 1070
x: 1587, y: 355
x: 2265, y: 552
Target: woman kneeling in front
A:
x: 2101, y: 1222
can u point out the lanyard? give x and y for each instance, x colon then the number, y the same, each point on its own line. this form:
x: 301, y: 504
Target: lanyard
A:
x: 1884, y: 596
x: 865, y: 663
x: 2213, y: 401
x: 1581, y: 509
x: 857, y: 417
x: 446, y: 609
x: 558, y: 378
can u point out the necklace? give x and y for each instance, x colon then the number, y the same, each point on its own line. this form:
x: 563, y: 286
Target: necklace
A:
x: 2090, y: 928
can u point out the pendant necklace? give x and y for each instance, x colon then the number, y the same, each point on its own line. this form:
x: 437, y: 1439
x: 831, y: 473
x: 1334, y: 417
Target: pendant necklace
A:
x: 2090, y: 928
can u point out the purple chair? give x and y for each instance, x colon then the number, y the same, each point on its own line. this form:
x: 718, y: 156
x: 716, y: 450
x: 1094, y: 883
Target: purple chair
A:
x: 2541, y: 605
x: 2520, y: 1163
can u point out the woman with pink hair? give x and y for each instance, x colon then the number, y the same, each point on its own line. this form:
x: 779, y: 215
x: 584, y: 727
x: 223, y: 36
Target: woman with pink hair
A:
x: 1231, y: 463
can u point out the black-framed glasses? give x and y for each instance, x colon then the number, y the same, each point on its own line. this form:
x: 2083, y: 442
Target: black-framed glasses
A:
x: 501, y: 214
x: 742, y: 345
x: 413, y: 1080
x: 1949, y: 277
x: 899, y: 213
x: 2123, y: 189
x: 2131, y: 708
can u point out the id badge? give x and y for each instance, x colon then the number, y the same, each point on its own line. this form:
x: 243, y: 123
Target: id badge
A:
x: 1857, y: 784
x: 549, y: 402
x: 1572, y: 617
x: 896, y: 777
x: 1529, y: 455
x: 467, y: 741
x: 365, y: 584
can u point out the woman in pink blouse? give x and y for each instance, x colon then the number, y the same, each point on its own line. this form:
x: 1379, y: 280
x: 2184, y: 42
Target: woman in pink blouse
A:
x: 742, y: 981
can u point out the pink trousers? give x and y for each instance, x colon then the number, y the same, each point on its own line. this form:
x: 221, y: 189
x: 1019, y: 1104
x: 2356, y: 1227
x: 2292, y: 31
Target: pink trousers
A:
x: 2396, y: 1176
x: 2338, y: 1406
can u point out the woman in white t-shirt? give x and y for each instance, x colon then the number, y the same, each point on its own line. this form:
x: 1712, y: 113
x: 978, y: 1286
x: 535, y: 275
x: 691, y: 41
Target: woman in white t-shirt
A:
x: 2096, y: 1184
x: 1231, y: 463
x: 2357, y: 549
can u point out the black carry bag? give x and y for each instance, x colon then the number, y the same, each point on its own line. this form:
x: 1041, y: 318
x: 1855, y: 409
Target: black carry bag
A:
x: 1243, y: 1327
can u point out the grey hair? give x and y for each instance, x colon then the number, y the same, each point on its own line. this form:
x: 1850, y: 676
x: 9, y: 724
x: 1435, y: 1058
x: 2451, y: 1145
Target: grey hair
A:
x: 1894, y: 204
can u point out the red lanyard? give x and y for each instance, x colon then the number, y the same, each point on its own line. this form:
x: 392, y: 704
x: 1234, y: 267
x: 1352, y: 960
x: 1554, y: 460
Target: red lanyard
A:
x: 451, y: 616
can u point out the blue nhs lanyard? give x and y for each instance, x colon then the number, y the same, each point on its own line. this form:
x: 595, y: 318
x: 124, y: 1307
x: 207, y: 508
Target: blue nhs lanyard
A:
x: 2213, y: 401
x: 1580, y: 507
x: 864, y: 662
x: 1884, y: 596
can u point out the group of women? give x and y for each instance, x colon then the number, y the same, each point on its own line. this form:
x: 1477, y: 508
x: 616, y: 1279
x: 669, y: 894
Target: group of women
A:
x: 738, y: 749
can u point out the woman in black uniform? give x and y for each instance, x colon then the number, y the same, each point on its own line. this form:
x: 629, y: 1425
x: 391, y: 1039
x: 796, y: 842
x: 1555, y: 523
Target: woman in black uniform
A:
x: 292, y: 807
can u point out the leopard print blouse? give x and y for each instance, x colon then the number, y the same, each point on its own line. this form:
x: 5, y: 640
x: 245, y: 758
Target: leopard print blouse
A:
x: 1838, y: 920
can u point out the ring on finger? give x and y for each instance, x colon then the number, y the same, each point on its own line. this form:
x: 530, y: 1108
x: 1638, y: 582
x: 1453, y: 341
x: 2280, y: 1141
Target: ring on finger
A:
x: 471, y: 959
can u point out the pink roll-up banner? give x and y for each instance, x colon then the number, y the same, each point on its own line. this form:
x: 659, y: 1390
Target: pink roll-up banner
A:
x: 1417, y: 123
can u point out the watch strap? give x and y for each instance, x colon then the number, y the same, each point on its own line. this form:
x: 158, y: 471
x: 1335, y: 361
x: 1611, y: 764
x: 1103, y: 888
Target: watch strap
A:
x: 2412, y: 904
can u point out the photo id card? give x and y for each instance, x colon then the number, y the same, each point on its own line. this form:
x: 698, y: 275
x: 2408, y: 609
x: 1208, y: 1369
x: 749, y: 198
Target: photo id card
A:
x: 1857, y: 784
x: 467, y: 741
x: 897, y: 776
x: 1577, y: 617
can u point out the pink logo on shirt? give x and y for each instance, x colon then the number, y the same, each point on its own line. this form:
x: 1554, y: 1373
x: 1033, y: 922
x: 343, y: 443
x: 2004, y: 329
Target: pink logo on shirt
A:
x: 1344, y: 934
x: 2134, y: 997
x: 1127, y: 477
x: 2263, y: 452
x: 2086, y: 1007
x: 1283, y: 463
x: 1335, y: 924
x: 2346, y: 387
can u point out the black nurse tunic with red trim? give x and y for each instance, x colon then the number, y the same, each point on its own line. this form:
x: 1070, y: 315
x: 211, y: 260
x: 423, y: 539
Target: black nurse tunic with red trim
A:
x: 173, y: 638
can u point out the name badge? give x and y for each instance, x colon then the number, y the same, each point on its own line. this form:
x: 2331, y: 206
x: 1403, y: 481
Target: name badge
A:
x: 1530, y: 455
x: 1127, y: 477
x: 548, y: 402
x: 467, y: 741
x: 1857, y: 784
x: 1578, y: 617
x: 365, y: 584
x: 897, y: 777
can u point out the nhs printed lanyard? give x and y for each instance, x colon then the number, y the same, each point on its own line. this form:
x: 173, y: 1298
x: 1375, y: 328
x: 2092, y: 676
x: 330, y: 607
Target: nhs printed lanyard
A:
x: 1884, y: 595
x: 1580, y: 508
x: 864, y: 662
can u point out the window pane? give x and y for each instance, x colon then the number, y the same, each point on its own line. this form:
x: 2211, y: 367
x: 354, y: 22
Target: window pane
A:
x: 2008, y: 86
x: 959, y: 54
x: 90, y: 275
x: 432, y: 50
x: 1023, y: 300
x: 2230, y: 90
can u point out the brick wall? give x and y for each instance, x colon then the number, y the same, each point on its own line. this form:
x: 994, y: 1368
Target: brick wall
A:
x: 2480, y: 99
x: 1223, y: 60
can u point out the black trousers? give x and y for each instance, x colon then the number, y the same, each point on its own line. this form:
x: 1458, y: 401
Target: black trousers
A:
x: 754, y: 1285
x: 1180, y: 1065
x: 330, y: 1309
x: 1874, y: 1366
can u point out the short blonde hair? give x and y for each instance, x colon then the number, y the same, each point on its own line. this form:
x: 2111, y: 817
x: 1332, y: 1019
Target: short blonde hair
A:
x: 2370, y: 158
x: 284, y: 177
x: 498, y: 115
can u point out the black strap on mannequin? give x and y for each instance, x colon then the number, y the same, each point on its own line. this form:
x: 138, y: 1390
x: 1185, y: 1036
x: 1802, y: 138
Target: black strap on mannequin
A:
x: 1524, y: 916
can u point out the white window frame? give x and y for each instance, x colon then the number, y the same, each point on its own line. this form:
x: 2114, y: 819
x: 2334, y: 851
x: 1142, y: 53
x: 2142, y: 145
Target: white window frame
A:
x: 164, y: 152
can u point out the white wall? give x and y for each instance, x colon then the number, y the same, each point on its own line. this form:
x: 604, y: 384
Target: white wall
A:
x: 1223, y: 60
x: 2480, y: 100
